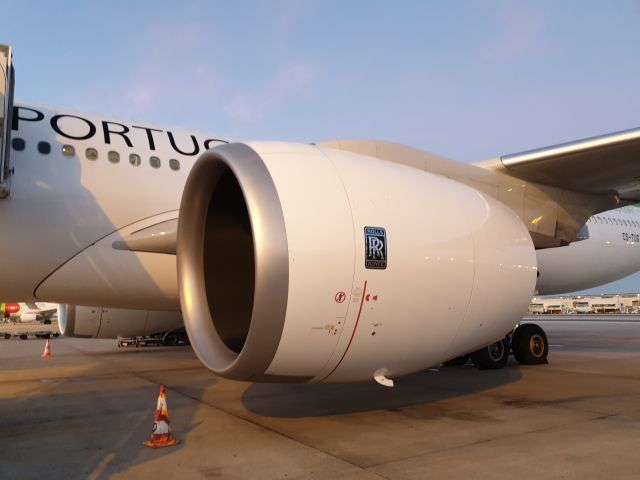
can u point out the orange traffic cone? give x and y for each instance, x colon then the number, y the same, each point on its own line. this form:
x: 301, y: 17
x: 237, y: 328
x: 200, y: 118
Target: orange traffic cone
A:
x: 47, y: 350
x: 161, y: 435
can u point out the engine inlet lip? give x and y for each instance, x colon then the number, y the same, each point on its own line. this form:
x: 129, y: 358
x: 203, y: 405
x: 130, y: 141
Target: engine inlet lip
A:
x: 66, y: 319
x: 271, y: 262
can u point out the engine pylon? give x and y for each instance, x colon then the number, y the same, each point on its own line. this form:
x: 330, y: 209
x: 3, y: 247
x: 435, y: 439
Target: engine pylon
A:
x: 161, y: 434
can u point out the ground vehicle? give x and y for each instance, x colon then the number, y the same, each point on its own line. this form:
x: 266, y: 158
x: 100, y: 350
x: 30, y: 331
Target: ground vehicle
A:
x: 170, y: 338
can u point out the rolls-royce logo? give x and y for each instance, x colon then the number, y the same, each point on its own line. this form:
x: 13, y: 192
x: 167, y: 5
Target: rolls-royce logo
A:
x: 375, y: 240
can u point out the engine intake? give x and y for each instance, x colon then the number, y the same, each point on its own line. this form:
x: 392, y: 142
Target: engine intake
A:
x: 233, y: 260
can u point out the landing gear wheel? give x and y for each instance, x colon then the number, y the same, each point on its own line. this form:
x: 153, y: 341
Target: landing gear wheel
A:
x: 529, y: 344
x: 492, y: 357
x: 456, y: 362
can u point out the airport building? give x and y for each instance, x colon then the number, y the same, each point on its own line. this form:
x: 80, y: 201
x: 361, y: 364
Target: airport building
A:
x: 625, y: 303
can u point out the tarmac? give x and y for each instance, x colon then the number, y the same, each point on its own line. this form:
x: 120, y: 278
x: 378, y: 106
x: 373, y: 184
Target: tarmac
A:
x: 85, y: 412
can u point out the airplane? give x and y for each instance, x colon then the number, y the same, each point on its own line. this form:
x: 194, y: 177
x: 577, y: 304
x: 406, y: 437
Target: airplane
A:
x: 8, y: 310
x: 338, y: 261
x: 28, y: 312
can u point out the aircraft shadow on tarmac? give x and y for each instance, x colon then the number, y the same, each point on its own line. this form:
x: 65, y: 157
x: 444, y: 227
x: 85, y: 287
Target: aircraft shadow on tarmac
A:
x: 297, y: 401
x: 104, y: 423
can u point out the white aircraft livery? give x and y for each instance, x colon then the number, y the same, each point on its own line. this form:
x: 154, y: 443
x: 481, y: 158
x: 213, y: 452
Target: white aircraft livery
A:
x: 332, y: 262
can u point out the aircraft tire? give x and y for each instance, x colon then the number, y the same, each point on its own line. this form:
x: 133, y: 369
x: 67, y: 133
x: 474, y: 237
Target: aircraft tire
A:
x: 456, y: 362
x: 492, y: 357
x: 530, y: 345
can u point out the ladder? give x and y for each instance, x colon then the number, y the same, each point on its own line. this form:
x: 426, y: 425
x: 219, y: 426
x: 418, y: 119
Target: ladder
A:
x: 7, y: 77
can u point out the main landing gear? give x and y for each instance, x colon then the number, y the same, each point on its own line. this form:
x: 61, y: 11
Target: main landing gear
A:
x: 528, y: 343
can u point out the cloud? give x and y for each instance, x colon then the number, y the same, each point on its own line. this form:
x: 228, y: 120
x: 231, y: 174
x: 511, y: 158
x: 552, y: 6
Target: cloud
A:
x: 518, y: 28
x: 141, y: 95
x: 243, y: 109
x: 289, y: 83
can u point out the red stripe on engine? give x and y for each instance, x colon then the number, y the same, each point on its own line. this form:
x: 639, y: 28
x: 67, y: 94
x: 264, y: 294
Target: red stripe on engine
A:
x: 353, y: 334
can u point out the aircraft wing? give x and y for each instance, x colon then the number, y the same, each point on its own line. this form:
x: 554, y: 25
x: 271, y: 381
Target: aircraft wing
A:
x: 607, y: 164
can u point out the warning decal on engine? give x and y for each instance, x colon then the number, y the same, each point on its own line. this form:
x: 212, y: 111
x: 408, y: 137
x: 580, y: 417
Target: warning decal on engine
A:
x: 375, y: 240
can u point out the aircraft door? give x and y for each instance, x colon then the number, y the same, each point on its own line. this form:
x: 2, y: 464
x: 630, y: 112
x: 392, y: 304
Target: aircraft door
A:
x: 6, y: 109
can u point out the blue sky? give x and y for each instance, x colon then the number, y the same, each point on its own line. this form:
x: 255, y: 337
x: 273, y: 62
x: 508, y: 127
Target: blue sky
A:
x: 468, y: 80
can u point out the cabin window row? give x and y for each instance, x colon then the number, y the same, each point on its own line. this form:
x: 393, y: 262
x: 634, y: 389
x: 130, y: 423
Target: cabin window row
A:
x: 114, y: 157
x: 614, y: 221
x: 92, y: 154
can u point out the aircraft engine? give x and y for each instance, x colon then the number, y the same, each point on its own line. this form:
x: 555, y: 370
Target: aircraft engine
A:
x: 28, y: 317
x: 298, y: 263
x: 99, y: 322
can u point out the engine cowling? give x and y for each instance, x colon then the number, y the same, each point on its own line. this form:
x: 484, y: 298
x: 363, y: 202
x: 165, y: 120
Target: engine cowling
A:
x: 99, y: 322
x: 298, y: 263
x: 29, y: 317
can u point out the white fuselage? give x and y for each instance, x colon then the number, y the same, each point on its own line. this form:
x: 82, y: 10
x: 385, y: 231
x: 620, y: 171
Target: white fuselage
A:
x: 62, y: 215
x: 611, y: 252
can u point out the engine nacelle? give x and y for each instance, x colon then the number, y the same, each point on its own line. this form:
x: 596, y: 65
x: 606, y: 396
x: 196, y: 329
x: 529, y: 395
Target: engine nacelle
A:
x: 99, y: 322
x: 298, y: 263
x: 28, y: 317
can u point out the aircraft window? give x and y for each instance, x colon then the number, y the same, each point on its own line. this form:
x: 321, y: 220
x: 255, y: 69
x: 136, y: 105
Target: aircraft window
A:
x: 91, y: 153
x: 18, y: 144
x: 113, y: 156
x: 583, y: 234
x: 174, y: 164
x: 68, y: 151
x: 134, y: 159
x: 44, y: 148
x: 154, y: 162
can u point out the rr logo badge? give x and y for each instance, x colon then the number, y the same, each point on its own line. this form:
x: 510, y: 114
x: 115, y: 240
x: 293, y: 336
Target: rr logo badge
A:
x: 375, y: 240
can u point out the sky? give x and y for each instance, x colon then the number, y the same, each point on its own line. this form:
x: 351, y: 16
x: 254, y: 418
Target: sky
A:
x: 468, y: 80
